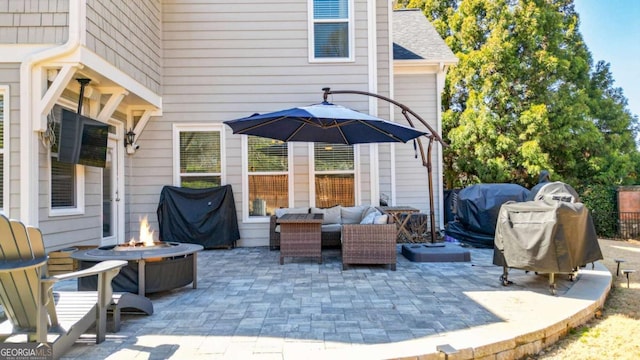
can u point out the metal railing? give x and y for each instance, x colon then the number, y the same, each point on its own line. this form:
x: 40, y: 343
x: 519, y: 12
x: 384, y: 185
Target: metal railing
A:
x: 617, y: 225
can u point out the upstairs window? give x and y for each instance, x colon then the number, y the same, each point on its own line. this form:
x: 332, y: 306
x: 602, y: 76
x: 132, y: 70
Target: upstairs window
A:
x: 331, y: 29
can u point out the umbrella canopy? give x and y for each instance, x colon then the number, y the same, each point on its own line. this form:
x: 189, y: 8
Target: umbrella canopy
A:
x: 323, y: 122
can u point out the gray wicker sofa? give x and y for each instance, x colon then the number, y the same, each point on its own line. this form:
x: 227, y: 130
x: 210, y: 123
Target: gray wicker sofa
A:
x: 364, y: 235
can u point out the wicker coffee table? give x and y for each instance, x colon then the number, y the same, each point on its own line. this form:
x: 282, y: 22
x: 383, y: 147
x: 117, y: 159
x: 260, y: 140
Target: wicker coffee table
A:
x: 300, y: 236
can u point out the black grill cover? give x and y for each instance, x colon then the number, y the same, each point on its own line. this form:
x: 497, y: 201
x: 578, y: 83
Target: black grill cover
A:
x: 458, y: 231
x: 198, y: 216
x: 477, y: 206
x: 545, y: 236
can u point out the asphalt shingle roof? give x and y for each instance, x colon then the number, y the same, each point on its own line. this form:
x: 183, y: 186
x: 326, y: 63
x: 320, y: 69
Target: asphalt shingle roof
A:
x: 414, y: 38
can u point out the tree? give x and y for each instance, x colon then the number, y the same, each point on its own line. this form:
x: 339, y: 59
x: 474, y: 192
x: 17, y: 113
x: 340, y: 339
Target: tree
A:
x: 522, y: 97
x: 615, y: 160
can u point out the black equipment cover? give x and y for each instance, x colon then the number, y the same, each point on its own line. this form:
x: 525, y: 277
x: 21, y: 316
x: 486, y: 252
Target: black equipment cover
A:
x: 460, y: 232
x: 477, y: 207
x: 198, y: 216
x: 547, y: 236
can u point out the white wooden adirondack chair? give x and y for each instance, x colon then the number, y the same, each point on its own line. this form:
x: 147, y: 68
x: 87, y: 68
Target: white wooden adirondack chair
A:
x: 28, y: 299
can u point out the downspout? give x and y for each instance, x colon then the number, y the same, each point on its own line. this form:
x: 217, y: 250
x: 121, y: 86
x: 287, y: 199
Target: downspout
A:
x: 392, y: 116
x: 30, y: 94
x: 374, y: 161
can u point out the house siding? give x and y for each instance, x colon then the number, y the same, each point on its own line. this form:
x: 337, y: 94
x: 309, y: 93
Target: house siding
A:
x: 418, y: 92
x: 127, y: 34
x: 34, y: 21
x: 223, y: 62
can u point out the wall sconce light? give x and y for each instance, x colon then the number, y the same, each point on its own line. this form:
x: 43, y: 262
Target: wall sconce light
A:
x: 129, y: 142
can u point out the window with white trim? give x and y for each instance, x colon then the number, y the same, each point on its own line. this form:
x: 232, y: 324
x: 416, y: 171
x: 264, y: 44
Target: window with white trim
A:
x: 199, y: 156
x: 331, y: 30
x: 334, y: 166
x: 66, y: 184
x: 267, y: 175
x: 4, y: 116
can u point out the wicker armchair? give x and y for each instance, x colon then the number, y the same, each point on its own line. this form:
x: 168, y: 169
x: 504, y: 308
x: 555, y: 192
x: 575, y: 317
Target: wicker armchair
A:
x: 369, y: 244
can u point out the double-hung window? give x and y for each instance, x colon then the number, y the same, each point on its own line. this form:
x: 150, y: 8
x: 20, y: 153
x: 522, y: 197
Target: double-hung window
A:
x: 267, y: 169
x: 334, y: 167
x: 331, y: 30
x: 199, y: 156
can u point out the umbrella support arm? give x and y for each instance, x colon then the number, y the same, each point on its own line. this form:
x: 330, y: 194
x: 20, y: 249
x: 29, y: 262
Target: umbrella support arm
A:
x: 426, y: 160
x: 405, y: 109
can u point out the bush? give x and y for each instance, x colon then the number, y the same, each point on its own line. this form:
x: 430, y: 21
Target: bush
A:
x: 601, y: 201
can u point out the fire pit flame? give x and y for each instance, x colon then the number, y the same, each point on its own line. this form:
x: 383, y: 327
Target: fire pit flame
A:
x: 146, y: 239
x: 146, y: 234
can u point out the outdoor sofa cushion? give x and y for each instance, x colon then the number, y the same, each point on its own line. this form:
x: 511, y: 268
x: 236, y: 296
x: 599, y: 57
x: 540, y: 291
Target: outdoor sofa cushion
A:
x: 354, y: 214
x: 330, y: 215
x: 334, y: 217
x: 298, y: 210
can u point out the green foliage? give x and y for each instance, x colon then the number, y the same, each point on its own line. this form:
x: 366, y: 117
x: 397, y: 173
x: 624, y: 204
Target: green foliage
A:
x: 525, y: 96
x: 601, y: 201
x: 200, y: 182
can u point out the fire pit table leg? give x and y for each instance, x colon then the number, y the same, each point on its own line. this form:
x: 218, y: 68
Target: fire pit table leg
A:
x: 195, y: 270
x: 141, y: 277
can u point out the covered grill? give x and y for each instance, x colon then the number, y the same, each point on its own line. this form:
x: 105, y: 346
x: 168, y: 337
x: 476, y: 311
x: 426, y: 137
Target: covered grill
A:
x: 548, y: 235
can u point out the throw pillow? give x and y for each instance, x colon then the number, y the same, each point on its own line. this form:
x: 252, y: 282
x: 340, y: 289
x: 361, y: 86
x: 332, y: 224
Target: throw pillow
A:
x: 368, y: 210
x: 368, y: 219
x: 381, y: 219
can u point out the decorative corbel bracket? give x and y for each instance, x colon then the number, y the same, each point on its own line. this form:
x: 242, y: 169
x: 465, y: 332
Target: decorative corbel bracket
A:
x: 44, y: 105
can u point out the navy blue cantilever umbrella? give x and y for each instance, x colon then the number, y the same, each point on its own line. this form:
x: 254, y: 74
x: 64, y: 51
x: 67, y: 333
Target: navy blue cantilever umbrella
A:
x: 324, y: 122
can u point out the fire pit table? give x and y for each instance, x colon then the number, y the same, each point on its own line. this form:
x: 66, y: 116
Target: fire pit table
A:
x: 161, y: 267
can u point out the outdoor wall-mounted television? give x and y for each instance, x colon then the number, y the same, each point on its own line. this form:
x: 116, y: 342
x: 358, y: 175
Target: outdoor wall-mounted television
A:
x: 82, y: 140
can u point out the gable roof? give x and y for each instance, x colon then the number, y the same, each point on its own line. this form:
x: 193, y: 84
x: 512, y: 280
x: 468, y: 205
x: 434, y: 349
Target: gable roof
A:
x: 414, y: 38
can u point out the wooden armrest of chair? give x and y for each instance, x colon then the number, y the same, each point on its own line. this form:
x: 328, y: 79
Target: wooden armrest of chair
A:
x: 96, y: 269
x: 106, y: 271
